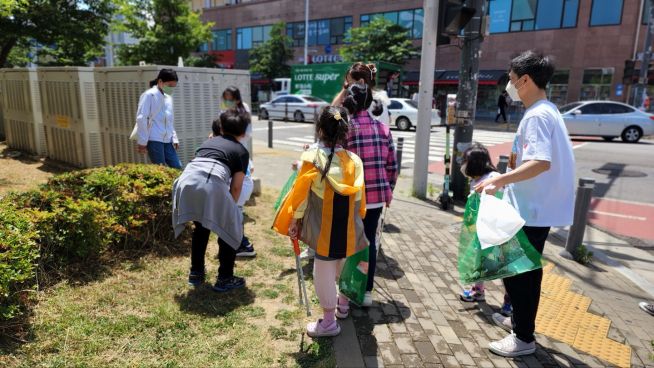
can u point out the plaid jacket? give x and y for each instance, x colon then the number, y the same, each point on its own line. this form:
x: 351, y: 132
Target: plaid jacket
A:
x: 373, y: 143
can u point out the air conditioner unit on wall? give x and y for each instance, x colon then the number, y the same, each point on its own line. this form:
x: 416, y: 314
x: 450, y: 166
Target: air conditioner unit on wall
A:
x: 70, y: 115
x: 21, y: 110
x: 195, y: 103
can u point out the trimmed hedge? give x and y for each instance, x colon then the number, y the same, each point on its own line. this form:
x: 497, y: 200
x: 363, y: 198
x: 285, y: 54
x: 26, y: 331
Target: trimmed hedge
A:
x: 79, y: 221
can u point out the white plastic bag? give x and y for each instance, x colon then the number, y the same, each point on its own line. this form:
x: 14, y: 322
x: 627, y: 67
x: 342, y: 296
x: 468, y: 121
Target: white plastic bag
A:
x: 497, y: 221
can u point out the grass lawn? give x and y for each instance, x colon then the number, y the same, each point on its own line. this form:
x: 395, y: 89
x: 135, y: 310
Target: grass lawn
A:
x: 143, y: 314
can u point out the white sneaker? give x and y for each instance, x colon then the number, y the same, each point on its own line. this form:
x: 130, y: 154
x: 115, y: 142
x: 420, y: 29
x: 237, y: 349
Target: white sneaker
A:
x: 307, y: 254
x: 367, y: 299
x: 511, y: 346
x: 647, y: 307
x: 504, y: 322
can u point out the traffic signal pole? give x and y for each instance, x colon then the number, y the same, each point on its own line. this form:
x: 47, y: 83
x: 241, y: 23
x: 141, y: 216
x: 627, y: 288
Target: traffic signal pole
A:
x: 647, y: 56
x: 466, y: 97
x: 426, y: 91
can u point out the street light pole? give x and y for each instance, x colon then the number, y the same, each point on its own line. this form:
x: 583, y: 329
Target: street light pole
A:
x: 466, y: 97
x: 306, y: 32
x: 426, y: 93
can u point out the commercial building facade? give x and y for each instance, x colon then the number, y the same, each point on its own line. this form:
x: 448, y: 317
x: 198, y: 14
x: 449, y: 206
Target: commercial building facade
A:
x: 589, y: 39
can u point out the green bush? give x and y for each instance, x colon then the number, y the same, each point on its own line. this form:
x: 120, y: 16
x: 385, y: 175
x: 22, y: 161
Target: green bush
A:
x: 78, y: 221
x: 18, y: 260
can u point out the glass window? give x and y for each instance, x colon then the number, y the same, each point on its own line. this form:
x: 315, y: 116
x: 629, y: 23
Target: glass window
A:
x: 570, y: 11
x: 364, y: 20
x: 323, y: 32
x: 313, y: 33
x: 500, y: 15
x: 313, y: 99
x: 222, y: 40
x: 606, y: 12
x: 293, y: 100
x: 266, y: 33
x: 392, y: 16
x: 529, y: 15
x: 613, y: 108
x: 418, y: 15
x: 204, y: 47
x: 569, y: 107
x: 395, y: 105
x: 549, y: 14
x: 405, y: 19
x: 412, y: 103
x: 244, y: 38
x: 523, y: 10
x: 593, y: 108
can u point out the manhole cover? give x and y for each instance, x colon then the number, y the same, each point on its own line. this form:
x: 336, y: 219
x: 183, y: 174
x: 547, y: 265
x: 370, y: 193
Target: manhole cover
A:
x: 619, y: 172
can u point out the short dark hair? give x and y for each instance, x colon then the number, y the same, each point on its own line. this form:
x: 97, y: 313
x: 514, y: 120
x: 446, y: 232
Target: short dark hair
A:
x: 537, y: 66
x: 234, y: 123
x: 478, y: 161
x: 216, y: 128
x: 165, y: 75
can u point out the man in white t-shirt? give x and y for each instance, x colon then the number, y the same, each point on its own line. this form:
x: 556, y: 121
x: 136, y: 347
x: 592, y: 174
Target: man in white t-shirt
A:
x: 544, y: 178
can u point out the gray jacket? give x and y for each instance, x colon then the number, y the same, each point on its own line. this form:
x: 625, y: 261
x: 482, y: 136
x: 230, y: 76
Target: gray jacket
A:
x: 202, y: 194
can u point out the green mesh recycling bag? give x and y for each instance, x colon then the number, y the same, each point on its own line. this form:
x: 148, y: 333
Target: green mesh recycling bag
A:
x: 508, y: 259
x: 354, y: 277
x: 287, y: 187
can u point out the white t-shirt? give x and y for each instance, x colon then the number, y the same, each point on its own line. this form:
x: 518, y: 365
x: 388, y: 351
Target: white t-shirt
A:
x: 547, y: 199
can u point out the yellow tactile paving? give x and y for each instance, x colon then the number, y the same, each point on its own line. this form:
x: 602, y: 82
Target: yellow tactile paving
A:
x: 563, y: 315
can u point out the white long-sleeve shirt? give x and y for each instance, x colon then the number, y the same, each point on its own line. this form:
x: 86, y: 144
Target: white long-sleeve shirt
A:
x: 158, y: 109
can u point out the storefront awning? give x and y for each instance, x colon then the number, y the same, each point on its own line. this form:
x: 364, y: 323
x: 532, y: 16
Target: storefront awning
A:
x: 443, y: 77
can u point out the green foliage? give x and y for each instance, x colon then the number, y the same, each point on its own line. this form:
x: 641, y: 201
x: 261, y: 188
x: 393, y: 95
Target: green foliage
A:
x: 380, y: 40
x: 583, y: 255
x: 18, y: 258
x: 166, y: 30
x: 79, y: 221
x: 72, y: 32
x: 271, y: 57
x: 202, y: 61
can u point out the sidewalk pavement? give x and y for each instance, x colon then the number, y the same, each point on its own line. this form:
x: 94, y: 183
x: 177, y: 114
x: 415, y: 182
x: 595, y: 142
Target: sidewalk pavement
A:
x: 588, y: 316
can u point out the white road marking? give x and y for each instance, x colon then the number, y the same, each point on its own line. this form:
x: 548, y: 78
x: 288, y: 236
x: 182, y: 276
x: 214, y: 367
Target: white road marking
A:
x: 619, y: 215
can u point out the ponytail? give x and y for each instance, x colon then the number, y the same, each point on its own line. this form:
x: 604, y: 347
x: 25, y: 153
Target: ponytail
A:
x: 153, y: 82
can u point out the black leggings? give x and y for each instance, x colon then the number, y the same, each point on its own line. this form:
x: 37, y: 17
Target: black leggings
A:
x: 226, y: 254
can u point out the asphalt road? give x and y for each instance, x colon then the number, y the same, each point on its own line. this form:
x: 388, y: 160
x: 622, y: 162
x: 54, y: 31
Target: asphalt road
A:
x: 623, y: 201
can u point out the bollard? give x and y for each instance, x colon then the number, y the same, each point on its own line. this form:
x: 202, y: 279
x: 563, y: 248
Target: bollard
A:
x: 400, y: 148
x: 503, y: 164
x: 286, y: 111
x: 270, y: 134
x: 582, y: 204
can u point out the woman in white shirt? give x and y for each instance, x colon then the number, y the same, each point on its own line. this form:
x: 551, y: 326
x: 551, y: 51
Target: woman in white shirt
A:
x: 154, y: 117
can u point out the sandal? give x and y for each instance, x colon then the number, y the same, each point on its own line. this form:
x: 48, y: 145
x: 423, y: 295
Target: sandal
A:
x: 315, y: 329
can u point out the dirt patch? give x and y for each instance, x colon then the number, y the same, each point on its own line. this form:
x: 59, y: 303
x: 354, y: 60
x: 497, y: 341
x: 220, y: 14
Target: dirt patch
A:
x: 20, y: 171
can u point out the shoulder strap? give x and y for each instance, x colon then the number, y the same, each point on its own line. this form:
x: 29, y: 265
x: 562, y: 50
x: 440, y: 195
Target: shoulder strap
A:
x: 161, y: 106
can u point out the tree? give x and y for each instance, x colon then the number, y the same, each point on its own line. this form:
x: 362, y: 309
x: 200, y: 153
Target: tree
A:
x: 71, y: 32
x: 271, y: 57
x: 380, y: 40
x: 166, y: 30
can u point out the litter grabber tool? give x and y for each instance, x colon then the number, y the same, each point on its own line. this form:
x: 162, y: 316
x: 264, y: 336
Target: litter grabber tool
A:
x: 302, y: 288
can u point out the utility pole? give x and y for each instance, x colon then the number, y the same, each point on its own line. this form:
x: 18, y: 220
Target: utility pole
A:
x: 466, y: 97
x: 426, y: 92
x: 647, y: 56
x: 306, y: 32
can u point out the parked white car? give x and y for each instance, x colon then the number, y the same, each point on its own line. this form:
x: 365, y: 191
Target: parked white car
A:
x: 607, y: 119
x: 296, y: 107
x: 404, y: 113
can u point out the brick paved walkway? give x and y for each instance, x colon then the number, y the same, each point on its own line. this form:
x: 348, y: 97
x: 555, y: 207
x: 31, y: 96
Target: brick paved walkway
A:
x: 418, y: 320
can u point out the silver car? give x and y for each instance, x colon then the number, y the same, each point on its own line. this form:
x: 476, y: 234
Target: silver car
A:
x: 607, y: 119
x: 404, y: 113
x: 292, y: 107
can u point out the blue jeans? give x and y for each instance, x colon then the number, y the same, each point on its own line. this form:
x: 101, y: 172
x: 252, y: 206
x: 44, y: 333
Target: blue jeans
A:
x: 163, y: 154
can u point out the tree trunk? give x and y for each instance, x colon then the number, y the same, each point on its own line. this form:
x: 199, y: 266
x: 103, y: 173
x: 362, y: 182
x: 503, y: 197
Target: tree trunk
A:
x: 6, y: 49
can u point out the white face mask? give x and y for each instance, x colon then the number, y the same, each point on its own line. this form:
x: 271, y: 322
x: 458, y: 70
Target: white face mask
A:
x: 512, y: 91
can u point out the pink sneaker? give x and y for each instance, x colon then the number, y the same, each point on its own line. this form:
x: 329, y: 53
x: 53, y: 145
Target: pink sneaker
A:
x: 315, y: 329
x: 342, y: 311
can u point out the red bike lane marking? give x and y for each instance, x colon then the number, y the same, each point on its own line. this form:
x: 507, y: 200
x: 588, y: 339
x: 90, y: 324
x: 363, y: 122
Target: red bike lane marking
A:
x: 623, y: 218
